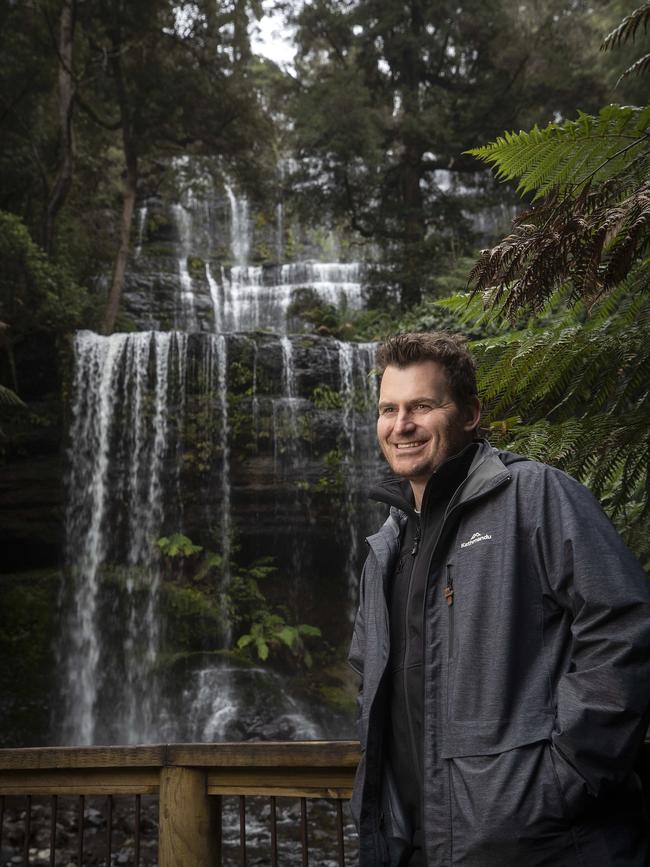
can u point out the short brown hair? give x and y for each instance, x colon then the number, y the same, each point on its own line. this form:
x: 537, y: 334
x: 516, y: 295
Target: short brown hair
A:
x: 447, y: 350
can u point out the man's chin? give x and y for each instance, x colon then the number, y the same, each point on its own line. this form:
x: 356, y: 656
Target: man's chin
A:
x: 416, y: 473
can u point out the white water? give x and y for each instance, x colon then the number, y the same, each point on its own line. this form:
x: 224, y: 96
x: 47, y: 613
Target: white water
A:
x: 123, y: 444
x: 132, y: 398
x: 142, y: 222
x: 112, y: 381
x: 248, y: 302
x: 186, y: 316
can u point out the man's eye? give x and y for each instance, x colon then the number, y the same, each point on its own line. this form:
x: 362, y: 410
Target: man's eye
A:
x: 386, y: 410
x: 421, y: 407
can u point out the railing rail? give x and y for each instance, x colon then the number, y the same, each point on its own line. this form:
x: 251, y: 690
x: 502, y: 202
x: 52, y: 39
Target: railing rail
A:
x: 189, y: 780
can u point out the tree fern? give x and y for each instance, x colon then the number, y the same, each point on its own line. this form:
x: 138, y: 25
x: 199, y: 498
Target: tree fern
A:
x: 9, y: 397
x: 573, y: 389
x: 570, y: 155
x: 626, y: 31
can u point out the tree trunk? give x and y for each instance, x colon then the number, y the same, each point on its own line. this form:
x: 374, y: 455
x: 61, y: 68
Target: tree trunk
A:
x: 119, y: 270
x: 66, y: 106
x: 413, y: 218
x: 130, y: 190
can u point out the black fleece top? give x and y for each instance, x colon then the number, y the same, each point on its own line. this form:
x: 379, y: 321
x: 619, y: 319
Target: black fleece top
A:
x: 419, y: 558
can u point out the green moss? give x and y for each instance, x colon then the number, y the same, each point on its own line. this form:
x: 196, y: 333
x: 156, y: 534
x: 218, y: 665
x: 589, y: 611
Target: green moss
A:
x: 193, y: 617
x: 160, y: 248
x: 196, y: 267
x: 338, y: 698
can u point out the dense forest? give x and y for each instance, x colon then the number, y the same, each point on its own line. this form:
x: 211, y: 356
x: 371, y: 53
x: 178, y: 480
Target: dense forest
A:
x: 412, y: 133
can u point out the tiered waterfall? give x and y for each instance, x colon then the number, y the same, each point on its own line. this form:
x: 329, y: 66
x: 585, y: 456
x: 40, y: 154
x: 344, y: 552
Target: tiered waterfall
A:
x: 216, y: 421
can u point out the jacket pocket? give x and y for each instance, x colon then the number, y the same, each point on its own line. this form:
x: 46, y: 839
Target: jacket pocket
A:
x: 506, y: 808
x: 571, y: 785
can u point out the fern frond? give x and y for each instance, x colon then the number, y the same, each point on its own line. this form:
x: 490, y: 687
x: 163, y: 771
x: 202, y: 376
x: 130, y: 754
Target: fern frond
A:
x: 639, y: 67
x: 8, y: 397
x: 571, y: 368
x: 630, y: 225
x: 567, y: 156
x: 590, y: 241
x: 628, y: 27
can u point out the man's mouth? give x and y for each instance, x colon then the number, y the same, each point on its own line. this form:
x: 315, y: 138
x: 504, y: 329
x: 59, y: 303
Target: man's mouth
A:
x: 413, y: 445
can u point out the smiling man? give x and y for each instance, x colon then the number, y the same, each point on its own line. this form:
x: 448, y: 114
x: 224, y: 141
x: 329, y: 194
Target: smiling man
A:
x: 503, y: 644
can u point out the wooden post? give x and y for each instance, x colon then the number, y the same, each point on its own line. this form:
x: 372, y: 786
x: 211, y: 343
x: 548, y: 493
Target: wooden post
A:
x: 188, y: 820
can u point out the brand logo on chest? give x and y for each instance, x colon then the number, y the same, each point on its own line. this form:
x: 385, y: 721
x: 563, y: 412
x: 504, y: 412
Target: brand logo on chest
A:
x: 476, y: 537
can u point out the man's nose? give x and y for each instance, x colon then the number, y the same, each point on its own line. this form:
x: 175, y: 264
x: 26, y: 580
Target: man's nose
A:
x: 404, y: 422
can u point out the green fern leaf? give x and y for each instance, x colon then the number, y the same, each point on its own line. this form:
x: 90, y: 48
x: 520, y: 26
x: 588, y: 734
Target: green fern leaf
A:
x: 567, y: 156
x: 628, y: 27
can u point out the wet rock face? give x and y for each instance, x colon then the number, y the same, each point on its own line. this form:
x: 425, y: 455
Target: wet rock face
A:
x: 251, y: 445
x: 31, y: 489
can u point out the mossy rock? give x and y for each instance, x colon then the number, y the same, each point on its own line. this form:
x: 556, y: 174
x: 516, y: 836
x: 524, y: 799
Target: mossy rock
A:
x: 196, y: 267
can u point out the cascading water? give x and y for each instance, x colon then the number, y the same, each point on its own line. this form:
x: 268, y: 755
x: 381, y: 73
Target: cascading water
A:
x: 120, y: 417
x: 187, y: 306
x: 250, y: 444
x: 142, y: 222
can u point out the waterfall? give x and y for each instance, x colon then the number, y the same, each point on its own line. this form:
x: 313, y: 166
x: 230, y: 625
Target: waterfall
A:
x: 250, y: 440
x: 239, y: 234
x: 226, y: 520
x: 129, y: 401
x: 346, y: 369
x: 114, y: 377
x: 142, y: 222
x: 255, y: 298
x: 216, y: 296
x: 187, y: 312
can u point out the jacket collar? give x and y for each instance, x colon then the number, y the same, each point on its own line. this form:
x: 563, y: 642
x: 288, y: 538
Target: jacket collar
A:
x: 486, y: 470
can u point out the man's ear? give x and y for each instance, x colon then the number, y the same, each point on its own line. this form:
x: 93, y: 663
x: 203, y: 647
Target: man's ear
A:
x: 472, y: 412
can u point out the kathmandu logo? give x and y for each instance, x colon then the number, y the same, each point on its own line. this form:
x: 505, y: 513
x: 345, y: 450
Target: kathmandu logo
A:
x: 475, y: 538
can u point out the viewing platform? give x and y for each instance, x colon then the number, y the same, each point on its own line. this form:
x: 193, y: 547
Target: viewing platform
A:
x: 190, y: 782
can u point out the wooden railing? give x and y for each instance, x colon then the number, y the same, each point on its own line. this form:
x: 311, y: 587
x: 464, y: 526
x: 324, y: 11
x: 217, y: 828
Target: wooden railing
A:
x: 189, y: 780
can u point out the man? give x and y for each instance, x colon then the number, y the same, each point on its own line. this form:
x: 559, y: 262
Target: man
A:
x: 503, y: 642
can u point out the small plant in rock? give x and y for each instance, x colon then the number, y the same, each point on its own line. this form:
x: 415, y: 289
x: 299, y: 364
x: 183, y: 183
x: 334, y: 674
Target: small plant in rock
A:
x: 274, y: 633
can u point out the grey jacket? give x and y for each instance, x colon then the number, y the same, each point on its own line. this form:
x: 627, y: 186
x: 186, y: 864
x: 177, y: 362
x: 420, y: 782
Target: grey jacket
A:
x: 536, y: 684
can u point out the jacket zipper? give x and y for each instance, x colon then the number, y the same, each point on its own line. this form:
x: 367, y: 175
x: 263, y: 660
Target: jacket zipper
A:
x: 416, y: 540
x: 409, y: 718
x: 449, y: 596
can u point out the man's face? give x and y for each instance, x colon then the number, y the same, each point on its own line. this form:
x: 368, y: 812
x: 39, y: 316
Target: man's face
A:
x: 419, y: 424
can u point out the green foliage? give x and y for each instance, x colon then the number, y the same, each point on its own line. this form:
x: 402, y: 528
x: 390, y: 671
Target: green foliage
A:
x: 178, y: 545
x: 272, y: 632
x: 331, y: 482
x: 411, y: 106
x: 590, y: 234
x: 194, y: 618
x: 573, y: 389
x: 9, y: 397
x: 307, y: 305
x: 199, y: 611
x: 326, y: 397
x: 625, y: 32
x: 267, y: 628
x: 196, y: 267
x: 35, y: 293
x: 568, y: 156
